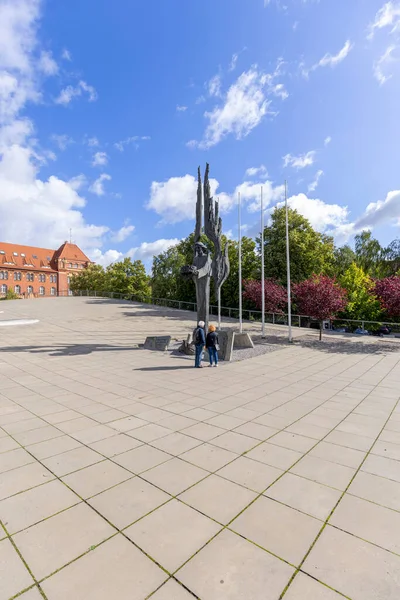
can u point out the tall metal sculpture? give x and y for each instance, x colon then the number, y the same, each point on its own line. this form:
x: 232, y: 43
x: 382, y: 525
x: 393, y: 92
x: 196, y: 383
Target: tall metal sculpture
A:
x: 203, y: 266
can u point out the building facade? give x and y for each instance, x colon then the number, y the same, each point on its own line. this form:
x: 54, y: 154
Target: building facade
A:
x: 37, y: 272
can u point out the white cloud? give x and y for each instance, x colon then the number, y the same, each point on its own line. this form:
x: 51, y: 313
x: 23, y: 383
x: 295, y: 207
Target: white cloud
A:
x: 147, y: 250
x: 99, y: 159
x: 122, y: 234
x: 329, y: 60
x: 144, y: 252
x: 233, y: 63
x: 131, y: 140
x: 299, y: 162
x: 323, y: 217
x: 260, y: 171
x: 214, y: 86
x: 33, y: 210
x: 380, y: 212
x: 280, y: 91
x: 97, y: 186
x: 244, y: 106
x: 180, y: 108
x: 47, y: 64
x: 387, y: 16
x: 78, y: 182
x: 314, y: 184
x: 18, y: 21
x: 381, y: 68
x: 175, y: 200
x: 332, y: 60
x: 93, y: 142
x: 105, y: 258
x: 66, y: 55
x: 70, y: 92
x: 250, y: 193
x: 327, y: 140
x: 62, y: 141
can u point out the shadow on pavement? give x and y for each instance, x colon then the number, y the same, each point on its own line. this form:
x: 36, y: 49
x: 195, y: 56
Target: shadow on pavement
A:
x: 68, y: 349
x: 165, y: 368
x: 335, y: 346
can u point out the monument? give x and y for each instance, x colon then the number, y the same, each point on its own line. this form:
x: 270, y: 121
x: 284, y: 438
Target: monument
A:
x: 204, y: 267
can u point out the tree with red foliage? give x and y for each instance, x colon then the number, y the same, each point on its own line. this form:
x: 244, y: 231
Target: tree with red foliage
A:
x: 275, y: 295
x: 319, y: 297
x: 388, y: 293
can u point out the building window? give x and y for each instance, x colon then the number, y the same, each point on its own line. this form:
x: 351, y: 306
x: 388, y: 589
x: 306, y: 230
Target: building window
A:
x: 3, y: 274
x: 75, y: 266
x: 15, y: 253
x: 3, y: 289
x: 29, y: 289
x: 70, y: 265
x: 69, y: 280
x: 30, y: 276
x: 17, y: 276
x: 17, y: 289
x: 42, y: 277
x: 22, y: 254
x: 53, y: 291
x: 69, y: 292
x: 53, y: 278
x: 41, y: 290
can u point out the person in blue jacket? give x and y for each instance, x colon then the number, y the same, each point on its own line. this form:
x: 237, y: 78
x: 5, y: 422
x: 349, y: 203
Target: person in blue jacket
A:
x: 212, y: 345
x: 199, y: 340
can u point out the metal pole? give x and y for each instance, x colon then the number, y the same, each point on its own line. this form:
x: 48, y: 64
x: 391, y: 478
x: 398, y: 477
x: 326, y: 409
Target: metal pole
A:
x: 219, y: 308
x: 262, y: 269
x: 240, y: 265
x: 288, y: 269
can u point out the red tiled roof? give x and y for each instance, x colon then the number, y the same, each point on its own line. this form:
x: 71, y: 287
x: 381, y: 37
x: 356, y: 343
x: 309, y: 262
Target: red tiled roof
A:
x: 70, y: 252
x: 29, y: 257
x: 25, y: 257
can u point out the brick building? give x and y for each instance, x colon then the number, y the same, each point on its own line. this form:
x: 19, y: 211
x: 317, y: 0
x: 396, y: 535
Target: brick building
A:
x: 38, y: 272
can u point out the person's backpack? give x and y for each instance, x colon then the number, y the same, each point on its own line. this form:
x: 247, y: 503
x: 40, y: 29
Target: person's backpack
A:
x: 197, y: 337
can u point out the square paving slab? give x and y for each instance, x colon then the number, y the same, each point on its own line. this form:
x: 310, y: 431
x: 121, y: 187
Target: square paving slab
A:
x: 128, y: 474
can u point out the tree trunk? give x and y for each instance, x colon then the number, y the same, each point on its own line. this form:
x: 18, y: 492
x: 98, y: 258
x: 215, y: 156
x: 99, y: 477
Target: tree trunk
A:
x: 320, y: 330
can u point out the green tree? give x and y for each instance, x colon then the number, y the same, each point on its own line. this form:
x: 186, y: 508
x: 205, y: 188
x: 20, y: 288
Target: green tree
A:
x: 127, y: 277
x: 362, y: 304
x: 91, y: 279
x: 250, y: 270
x: 344, y: 256
x: 370, y: 255
x: 310, y: 251
x: 167, y: 281
x: 392, y: 259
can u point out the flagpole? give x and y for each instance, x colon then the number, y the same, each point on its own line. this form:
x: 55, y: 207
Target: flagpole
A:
x: 240, y: 265
x: 219, y: 304
x: 262, y: 268
x: 288, y: 269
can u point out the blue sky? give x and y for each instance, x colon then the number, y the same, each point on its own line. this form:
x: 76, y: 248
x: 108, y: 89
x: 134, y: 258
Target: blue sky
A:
x: 107, y: 109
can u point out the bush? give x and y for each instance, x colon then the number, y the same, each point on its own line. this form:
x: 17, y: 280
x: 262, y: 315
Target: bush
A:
x: 10, y: 296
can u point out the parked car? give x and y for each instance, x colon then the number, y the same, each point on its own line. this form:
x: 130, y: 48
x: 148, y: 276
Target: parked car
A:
x: 385, y: 330
x: 341, y: 329
x: 361, y: 331
x: 382, y: 330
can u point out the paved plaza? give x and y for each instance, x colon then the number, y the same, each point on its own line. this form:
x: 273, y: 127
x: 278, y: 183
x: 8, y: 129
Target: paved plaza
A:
x: 127, y: 474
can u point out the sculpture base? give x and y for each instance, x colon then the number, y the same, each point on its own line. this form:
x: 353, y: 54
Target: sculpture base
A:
x: 230, y: 339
